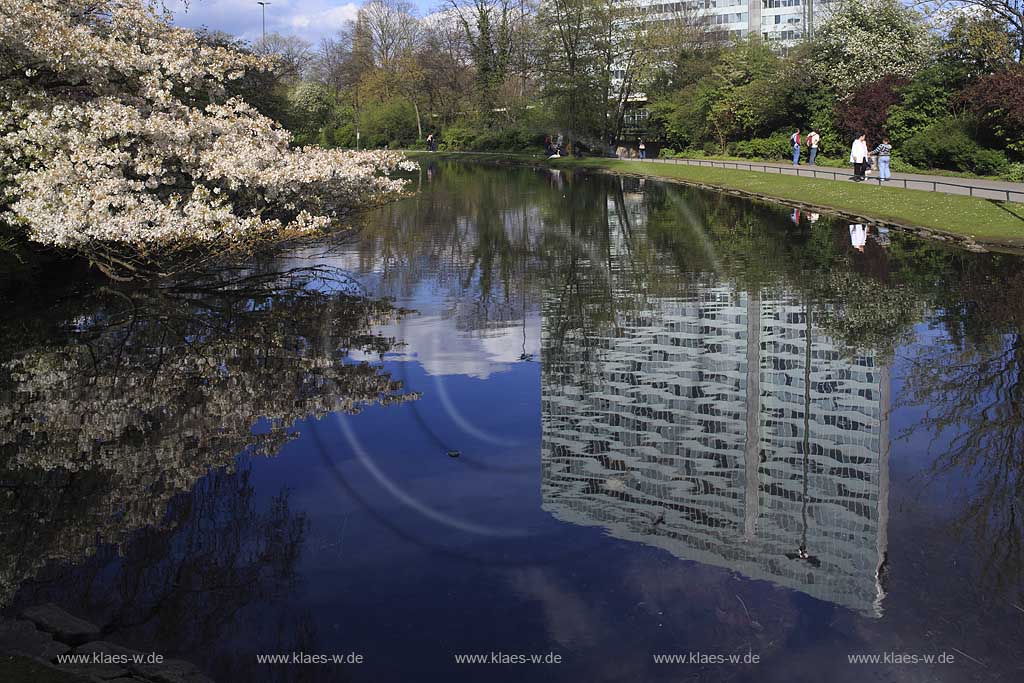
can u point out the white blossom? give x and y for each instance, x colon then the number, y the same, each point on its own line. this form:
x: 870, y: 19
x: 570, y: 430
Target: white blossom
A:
x: 867, y: 40
x: 99, y: 141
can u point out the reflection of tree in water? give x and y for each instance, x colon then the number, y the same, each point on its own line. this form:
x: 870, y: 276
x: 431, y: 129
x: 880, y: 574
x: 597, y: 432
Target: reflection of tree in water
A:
x: 132, y: 395
x: 972, y: 387
x: 201, y: 585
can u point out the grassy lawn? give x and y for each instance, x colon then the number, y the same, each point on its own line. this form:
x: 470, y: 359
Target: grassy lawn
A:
x: 981, y: 219
x: 833, y: 162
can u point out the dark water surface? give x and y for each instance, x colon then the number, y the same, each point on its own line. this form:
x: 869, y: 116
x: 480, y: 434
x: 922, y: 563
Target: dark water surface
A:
x: 594, y: 417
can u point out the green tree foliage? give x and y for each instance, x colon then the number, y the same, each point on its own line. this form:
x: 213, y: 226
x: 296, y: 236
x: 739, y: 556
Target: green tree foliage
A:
x: 979, y: 44
x: 741, y: 95
x: 930, y: 96
x: 570, y: 62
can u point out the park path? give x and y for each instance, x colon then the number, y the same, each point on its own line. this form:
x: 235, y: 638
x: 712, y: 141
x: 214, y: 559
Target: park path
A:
x: 985, y: 189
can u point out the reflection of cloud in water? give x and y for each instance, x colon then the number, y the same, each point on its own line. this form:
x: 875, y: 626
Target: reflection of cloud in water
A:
x: 572, y: 621
x: 441, y: 349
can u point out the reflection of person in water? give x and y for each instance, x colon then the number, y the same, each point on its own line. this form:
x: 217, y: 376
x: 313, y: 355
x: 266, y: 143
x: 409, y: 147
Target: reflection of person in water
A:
x: 882, y: 238
x: 795, y: 217
x: 858, y: 236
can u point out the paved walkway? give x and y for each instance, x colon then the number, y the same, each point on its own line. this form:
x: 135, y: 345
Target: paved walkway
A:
x: 986, y: 189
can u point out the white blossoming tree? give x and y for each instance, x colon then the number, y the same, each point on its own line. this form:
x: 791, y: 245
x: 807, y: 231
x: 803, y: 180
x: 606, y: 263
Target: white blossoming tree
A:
x: 864, y: 41
x: 115, y: 130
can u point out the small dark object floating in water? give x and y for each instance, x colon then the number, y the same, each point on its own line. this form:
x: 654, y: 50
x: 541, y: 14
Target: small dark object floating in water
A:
x: 453, y: 454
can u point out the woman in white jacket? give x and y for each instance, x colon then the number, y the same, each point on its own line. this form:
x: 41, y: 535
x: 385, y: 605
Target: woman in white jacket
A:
x: 859, y: 157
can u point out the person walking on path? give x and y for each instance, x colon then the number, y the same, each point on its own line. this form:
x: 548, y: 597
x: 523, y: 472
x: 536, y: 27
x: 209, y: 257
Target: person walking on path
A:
x: 794, y: 140
x: 859, y: 157
x: 643, y: 150
x: 884, y: 154
x: 812, y: 146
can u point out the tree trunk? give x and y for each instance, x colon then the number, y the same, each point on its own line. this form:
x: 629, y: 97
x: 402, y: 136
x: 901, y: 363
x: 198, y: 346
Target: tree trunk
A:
x: 419, y: 125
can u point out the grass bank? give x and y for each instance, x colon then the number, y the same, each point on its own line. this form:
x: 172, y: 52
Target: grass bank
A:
x: 981, y: 220
x: 898, y: 166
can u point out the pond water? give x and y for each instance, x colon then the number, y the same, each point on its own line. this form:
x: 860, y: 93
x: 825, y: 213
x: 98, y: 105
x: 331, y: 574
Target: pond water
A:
x: 533, y: 412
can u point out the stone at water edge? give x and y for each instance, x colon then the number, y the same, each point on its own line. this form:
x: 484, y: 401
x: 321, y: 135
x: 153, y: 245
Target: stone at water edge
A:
x: 63, y: 626
x: 23, y: 637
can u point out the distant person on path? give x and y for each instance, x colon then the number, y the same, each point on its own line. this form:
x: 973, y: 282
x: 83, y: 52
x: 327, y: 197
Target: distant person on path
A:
x: 812, y: 146
x: 859, y: 157
x: 430, y: 143
x: 794, y: 140
x: 643, y: 150
x: 884, y: 154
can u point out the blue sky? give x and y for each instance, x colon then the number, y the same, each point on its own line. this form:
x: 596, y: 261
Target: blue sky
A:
x: 309, y: 19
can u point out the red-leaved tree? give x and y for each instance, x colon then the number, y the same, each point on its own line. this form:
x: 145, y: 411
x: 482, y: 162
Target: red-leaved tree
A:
x: 998, y: 99
x: 867, y: 109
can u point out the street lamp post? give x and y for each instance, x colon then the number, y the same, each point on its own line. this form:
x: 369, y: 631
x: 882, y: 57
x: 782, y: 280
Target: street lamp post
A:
x: 264, y: 6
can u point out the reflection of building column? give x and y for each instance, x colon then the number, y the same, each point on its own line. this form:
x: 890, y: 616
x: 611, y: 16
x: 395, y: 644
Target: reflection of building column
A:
x: 882, y: 543
x: 752, y: 449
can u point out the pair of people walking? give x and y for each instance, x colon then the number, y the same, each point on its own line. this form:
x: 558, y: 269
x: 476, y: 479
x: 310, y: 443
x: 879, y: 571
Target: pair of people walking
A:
x: 860, y: 157
x: 812, y: 141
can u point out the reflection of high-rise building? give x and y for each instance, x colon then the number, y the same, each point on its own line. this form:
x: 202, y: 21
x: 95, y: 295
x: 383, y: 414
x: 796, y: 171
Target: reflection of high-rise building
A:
x: 729, y: 430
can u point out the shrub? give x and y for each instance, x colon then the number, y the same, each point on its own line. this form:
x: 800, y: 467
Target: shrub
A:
x: 989, y: 162
x: 391, y: 123
x: 513, y: 139
x: 338, y: 136
x: 1014, y: 172
x: 775, y: 147
x: 456, y: 137
x: 499, y: 139
x: 900, y: 165
x: 946, y: 144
